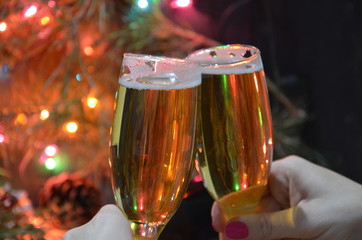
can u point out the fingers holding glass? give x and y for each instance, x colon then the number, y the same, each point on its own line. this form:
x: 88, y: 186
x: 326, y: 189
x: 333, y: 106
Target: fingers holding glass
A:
x: 235, y: 133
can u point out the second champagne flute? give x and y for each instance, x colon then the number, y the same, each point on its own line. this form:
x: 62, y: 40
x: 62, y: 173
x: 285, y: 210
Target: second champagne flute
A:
x: 234, y: 142
x: 152, y: 139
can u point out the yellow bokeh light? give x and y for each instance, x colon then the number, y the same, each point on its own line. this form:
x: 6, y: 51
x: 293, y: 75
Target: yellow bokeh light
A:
x: 71, y: 127
x: 21, y: 119
x: 3, y: 26
x: 92, y: 102
x: 37, y: 221
x: 88, y: 51
x: 45, y: 20
x: 44, y: 114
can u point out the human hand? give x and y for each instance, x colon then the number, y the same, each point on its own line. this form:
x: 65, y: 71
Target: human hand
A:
x: 303, y: 201
x: 109, y: 223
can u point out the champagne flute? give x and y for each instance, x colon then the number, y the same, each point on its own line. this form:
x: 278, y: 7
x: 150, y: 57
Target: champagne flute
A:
x: 234, y: 137
x: 152, y: 139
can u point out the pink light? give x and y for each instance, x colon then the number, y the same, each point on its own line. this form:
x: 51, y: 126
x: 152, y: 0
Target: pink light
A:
x: 141, y: 204
x: 197, y: 178
x: 30, y: 11
x: 43, y: 158
x: 51, y: 4
x: 180, y: 3
x: 2, y: 138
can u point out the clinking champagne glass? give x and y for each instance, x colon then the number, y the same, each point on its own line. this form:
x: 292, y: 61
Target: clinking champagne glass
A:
x: 152, y: 139
x: 234, y: 137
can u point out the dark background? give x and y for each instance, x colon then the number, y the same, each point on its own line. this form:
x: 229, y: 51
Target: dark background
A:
x: 313, y: 51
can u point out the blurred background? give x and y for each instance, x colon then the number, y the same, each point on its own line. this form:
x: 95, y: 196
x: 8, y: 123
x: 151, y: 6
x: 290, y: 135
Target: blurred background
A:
x: 59, y: 67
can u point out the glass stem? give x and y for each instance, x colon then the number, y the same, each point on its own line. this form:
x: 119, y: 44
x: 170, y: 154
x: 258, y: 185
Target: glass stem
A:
x: 144, y: 231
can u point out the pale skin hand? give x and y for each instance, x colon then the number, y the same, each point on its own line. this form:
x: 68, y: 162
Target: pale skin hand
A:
x: 109, y: 223
x: 303, y: 201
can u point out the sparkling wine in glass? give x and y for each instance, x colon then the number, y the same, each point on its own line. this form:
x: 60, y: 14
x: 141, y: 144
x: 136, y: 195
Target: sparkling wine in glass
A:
x: 234, y: 137
x: 152, y: 139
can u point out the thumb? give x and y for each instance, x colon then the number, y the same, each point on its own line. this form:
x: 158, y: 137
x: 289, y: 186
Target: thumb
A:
x: 109, y: 223
x: 276, y: 225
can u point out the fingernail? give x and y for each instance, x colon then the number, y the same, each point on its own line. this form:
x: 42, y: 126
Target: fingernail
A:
x: 236, y: 230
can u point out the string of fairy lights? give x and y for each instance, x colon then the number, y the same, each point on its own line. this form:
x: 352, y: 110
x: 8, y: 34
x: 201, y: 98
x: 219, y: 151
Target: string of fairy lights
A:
x: 38, y: 13
x: 144, y: 4
x: 71, y: 127
x: 31, y: 11
x: 47, y: 158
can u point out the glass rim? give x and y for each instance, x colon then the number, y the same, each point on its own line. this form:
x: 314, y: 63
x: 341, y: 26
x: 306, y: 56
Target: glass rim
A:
x: 229, y: 47
x: 185, y: 73
x: 159, y: 58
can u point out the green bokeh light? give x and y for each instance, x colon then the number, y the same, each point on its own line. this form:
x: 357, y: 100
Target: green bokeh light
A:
x: 50, y: 164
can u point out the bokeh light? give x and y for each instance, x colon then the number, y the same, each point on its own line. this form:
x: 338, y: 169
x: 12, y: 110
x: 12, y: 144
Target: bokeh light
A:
x: 30, y: 11
x: 3, y: 26
x: 2, y: 138
x: 45, y: 20
x: 51, y: 3
x: 37, y: 221
x: 51, y: 150
x: 180, y: 3
x: 71, y: 127
x: 21, y: 119
x: 92, y: 102
x: 44, y: 114
x: 88, y: 50
x: 50, y: 164
x: 197, y: 178
x: 78, y: 77
x: 142, y: 4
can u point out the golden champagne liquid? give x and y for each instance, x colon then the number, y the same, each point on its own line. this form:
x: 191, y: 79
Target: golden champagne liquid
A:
x: 235, y: 139
x: 151, y: 154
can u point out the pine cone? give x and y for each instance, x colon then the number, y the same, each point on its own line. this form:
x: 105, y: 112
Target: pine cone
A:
x: 69, y: 200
